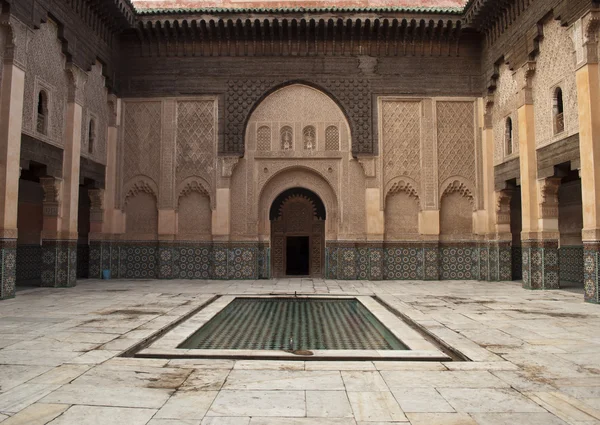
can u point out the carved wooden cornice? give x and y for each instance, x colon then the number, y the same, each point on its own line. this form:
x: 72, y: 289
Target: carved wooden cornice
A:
x: 238, y: 35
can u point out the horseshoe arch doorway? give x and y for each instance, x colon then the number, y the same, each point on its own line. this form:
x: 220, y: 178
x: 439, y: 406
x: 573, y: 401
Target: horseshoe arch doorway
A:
x: 297, y: 218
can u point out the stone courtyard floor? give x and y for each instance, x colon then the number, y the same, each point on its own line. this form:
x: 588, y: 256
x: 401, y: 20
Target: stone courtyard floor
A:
x: 536, y: 360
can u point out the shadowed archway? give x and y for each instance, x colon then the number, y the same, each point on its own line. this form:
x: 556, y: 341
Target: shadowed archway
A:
x: 297, y: 218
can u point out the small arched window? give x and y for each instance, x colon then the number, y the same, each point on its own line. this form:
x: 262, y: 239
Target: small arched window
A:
x: 332, y: 138
x: 91, y: 135
x: 263, y: 138
x: 558, y: 112
x: 509, y: 136
x: 42, y: 112
x: 309, y: 136
x: 287, y: 138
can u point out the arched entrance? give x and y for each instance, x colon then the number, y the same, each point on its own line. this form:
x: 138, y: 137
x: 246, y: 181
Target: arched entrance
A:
x: 297, y: 218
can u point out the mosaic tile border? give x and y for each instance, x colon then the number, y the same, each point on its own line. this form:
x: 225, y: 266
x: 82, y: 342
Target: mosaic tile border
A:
x: 29, y: 263
x: 8, y: 262
x: 570, y: 264
x: 540, y: 264
x: 59, y: 263
x: 591, y: 268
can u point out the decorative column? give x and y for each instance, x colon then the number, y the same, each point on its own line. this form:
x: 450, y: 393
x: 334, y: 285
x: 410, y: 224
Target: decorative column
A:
x: 540, y: 240
x: 11, y: 122
x: 588, y: 98
x: 59, y: 237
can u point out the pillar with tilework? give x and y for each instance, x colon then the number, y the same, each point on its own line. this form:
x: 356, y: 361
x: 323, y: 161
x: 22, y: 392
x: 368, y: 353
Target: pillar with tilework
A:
x: 61, y: 196
x: 11, y: 118
x: 588, y: 97
x: 539, y: 199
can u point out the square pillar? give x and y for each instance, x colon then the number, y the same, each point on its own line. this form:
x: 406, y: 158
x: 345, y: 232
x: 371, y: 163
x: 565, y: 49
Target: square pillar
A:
x: 11, y: 120
x: 588, y: 104
x: 61, y: 197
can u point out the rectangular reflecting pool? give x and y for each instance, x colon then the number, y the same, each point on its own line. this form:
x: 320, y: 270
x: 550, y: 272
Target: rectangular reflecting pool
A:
x: 294, y: 324
x: 292, y: 327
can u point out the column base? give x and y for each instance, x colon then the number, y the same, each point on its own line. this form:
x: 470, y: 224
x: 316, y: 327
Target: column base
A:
x: 540, y: 264
x: 495, y: 261
x: 59, y: 263
x: 8, y: 259
x: 591, y: 267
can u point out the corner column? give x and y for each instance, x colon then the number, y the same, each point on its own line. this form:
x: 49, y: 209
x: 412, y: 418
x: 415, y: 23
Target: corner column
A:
x: 11, y: 122
x: 588, y: 98
x: 61, y: 204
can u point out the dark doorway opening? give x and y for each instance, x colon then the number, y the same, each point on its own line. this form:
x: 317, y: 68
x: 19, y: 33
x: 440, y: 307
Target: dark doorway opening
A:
x: 297, y: 256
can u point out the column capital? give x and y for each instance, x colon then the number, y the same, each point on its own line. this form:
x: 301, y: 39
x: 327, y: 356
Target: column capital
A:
x: 96, y: 205
x: 51, y: 203
x: 77, y: 80
x: 548, y: 197
x: 502, y: 205
x: 525, y: 83
x: 15, y: 49
x: 585, y: 36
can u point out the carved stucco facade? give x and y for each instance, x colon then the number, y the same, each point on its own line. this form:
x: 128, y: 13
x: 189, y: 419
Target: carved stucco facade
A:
x: 555, y: 68
x: 299, y: 137
x: 48, y: 73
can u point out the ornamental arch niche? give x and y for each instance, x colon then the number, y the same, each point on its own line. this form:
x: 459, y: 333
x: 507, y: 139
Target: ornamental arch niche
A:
x: 297, y: 217
x: 303, y: 119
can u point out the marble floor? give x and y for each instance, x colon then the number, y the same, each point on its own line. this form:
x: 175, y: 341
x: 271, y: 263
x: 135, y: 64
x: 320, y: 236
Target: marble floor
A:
x: 535, y: 360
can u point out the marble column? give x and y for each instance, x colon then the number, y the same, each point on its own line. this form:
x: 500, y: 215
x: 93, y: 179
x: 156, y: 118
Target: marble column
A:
x: 588, y: 98
x: 11, y: 118
x: 59, y: 237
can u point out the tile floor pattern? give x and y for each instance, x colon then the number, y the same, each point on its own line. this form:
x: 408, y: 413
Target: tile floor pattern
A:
x: 536, y: 360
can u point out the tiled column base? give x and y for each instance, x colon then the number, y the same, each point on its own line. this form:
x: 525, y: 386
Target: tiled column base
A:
x: 431, y: 261
x: 8, y: 276
x: 165, y: 260
x: 591, y: 267
x: 59, y: 263
x: 264, y: 261
x: 495, y: 261
x: 540, y: 264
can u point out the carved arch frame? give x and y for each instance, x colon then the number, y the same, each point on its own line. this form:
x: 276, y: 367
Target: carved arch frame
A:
x: 349, y: 121
x: 194, y: 184
x: 460, y: 185
x: 136, y: 185
x: 298, y: 176
x: 402, y: 184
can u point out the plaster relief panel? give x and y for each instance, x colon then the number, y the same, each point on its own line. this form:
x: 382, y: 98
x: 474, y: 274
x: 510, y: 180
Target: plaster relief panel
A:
x: 505, y: 106
x: 194, y: 216
x: 141, y: 216
x: 401, y: 129
x: 196, y: 140
x: 141, y: 139
x: 555, y: 69
x: 456, y: 141
x: 46, y: 73
x: 95, y: 107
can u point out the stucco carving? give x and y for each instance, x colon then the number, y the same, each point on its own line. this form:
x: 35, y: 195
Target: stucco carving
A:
x: 138, y: 185
x: 401, y: 122
x: 196, y: 140
x: 51, y: 202
x: 141, y: 139
x: 505, y: 106
x: 195, y: 185
x: 298, y: 177
x: 456, y: 140
x: 555, y: 68
x: 456, y: 219
x: 95, y: 106
x: 548, y: 199
x: 503, y: 199
x: 402, y: 185
x: 460, y: 186
x: 401, y: 216
x: 297, y: 114
x: 194, y: 214
x: 47, y: 73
